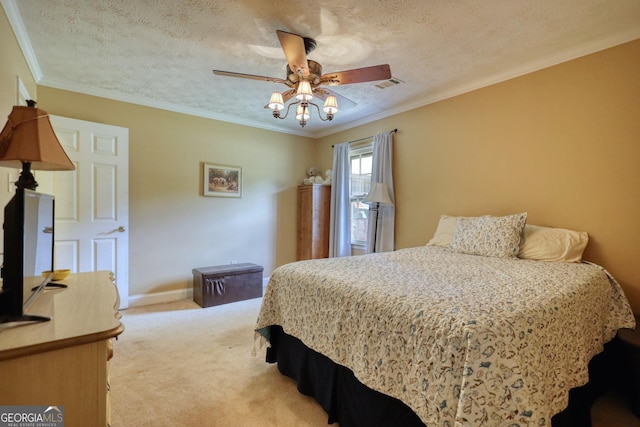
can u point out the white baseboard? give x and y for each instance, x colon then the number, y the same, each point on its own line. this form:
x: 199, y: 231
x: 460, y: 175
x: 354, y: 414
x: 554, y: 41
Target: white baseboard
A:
x: 169, y: 296
x: 160, y: 297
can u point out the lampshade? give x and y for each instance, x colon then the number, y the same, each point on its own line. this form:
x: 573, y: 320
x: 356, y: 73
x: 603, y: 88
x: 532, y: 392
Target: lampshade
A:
x: 379, y: 193
x: 28, y: 137
x: 330, y: 105
x: 304, y: 91
x: 276, y: 102
x: 302, y: 113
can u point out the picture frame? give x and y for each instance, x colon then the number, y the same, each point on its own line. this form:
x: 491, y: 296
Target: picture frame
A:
x: 222, y: 180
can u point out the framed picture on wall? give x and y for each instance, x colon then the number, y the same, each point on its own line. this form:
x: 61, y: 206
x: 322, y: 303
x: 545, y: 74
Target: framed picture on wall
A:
x: 222, y: 180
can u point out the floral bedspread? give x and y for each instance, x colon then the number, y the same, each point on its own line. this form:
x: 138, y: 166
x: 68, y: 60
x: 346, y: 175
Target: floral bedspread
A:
x: 463, y: 340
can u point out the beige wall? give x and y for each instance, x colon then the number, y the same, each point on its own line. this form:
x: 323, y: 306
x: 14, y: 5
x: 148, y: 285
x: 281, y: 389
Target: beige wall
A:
x: 173, y: 228
x: 562, y: 144
x: 12, y: 66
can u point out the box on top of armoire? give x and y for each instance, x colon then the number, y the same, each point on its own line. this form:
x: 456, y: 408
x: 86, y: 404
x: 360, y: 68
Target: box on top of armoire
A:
x: 222, y: 284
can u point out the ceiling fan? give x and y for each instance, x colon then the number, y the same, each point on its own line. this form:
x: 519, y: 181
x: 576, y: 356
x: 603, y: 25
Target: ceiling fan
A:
x: 305, y: 80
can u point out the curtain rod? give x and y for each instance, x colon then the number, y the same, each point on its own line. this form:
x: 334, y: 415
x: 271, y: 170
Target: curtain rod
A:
x: 366, y: 137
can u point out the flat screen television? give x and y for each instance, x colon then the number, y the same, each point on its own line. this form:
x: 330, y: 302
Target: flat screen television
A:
x: 28, y: 252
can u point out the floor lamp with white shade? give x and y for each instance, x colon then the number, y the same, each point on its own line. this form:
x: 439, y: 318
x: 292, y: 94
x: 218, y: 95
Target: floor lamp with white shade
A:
x: 378, y: 195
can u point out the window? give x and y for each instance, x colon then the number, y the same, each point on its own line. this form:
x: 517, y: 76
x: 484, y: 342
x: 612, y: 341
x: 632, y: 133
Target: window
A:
x: 361, y: 163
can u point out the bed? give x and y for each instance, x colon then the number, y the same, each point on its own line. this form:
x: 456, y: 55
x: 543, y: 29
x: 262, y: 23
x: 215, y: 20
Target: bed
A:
x: 450, y: 337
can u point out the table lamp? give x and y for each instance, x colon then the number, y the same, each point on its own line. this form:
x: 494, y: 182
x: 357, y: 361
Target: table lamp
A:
x: 378, y: 194
x: 28, y: 141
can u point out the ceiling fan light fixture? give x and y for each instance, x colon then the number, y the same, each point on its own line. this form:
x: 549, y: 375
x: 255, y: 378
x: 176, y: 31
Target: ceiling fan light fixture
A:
x: 330, y: 105
x: 304, y: 91
x: 276, y: 102
x: 304, y: 76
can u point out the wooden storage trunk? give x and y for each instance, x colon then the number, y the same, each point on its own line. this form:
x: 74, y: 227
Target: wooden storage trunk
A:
x: 222, y: 284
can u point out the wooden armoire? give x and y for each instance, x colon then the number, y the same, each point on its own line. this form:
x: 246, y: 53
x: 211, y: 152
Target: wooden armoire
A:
x: 314, y: 201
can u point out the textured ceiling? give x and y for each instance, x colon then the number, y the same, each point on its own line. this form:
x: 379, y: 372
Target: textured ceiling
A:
x: 161, y: 52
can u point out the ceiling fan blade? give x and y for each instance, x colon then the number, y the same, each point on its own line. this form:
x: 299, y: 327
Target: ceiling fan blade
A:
x: 286, y: 95
x: 252, y: 76
x: 358, y: 75
x: 295, y: 52
x: 343, y: 103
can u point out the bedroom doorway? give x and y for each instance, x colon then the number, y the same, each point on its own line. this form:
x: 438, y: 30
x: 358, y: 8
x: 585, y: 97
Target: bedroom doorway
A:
x: 92, y: 202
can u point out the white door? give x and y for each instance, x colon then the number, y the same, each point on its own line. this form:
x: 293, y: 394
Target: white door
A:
x: 92, y: 202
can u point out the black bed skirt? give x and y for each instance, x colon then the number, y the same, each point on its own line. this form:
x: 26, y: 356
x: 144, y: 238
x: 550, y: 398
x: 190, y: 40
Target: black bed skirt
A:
x: 352, y: 404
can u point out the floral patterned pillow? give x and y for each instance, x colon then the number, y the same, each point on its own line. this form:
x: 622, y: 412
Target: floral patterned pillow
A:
x: 496, y: 236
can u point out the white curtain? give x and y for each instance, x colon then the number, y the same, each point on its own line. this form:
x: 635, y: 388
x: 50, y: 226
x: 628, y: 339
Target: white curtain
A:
x: 381, y: 172
x: 340, y: 216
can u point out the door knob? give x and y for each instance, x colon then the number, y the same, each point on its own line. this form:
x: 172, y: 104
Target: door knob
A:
x: 120, y: 229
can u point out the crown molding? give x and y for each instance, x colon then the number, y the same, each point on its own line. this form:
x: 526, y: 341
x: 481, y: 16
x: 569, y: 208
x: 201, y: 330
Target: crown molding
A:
x: 523, y: 69
x: 13, y: 14
x: 168, y: 106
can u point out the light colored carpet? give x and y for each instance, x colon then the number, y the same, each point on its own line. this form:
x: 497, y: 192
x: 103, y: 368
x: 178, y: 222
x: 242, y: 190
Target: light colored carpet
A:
x: 178, y: 364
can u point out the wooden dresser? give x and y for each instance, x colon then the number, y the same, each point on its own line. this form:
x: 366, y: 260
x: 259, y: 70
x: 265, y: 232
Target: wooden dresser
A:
x: 65, y: 361
x: 314, y: 201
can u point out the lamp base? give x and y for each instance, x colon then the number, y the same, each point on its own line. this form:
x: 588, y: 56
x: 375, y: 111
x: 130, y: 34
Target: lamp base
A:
x: 26, y: 180
x: 375, y: 228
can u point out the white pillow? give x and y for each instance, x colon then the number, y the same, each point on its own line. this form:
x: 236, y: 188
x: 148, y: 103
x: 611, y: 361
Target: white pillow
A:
x: 537, y: 243
x: 444, y: 232
x: 552, y: 244
x: 494, y: 236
